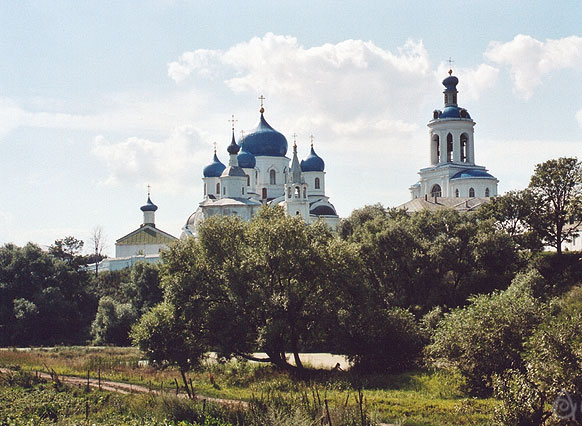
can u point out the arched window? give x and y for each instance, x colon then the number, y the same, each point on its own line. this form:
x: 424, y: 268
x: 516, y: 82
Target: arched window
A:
x: 272, y: 177
x: 243, y: 190
x: 224, y: 190
x: 436, y: 149
x: 304, y: 192
x: 248, y: 180
x: 264, y: 193
x: 290, y: 192
x: 471, y: 192
x: 204, y: 189
x: 297, y: 192
x: 464, y: 140
x: 218, y: 188
x: 435, y: 191
x: 449, y: 147
x: 487, y: 192
x: 457, y: 193
x: 316, y: 183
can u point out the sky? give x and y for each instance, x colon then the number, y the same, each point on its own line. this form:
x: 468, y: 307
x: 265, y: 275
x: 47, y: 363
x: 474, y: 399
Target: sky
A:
x: 100, y: 99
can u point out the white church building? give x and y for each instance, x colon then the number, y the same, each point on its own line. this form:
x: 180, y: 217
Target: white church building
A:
x: 453, y: 179
x: 259, y: 173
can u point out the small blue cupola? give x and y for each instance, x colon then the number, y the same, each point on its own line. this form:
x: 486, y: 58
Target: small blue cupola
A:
x: 215, y: 168
x: 313, y: 162
x: 149, y: 212
x: 149, y: 206
x: 246, y: 160
x: 233, y: 148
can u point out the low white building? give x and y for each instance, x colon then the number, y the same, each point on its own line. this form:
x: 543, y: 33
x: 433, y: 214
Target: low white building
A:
x: 141, y: 245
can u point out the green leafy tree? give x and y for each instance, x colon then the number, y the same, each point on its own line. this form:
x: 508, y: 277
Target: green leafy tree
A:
x: 552, y: 359
x: 487, y: 337
x: 113, y: 322
x: 69, y: 251
x: 511, y: 213
x: 166, y: 340
x: 40, y: 297
x: 557, y: 188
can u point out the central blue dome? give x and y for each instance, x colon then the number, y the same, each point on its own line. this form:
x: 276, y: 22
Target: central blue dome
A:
x: 264, y: 140
x: 313, y: 163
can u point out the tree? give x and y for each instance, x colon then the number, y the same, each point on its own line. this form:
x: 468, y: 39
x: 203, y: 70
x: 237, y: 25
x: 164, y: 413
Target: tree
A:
x: 557, y: 187
x: 113, y: 322
x: 511, y: 213
x: 166, y: 340
x: 487, y: 337
x: 97, y: 243
x: 257, y: 286
x: 68, y: 250
x: 552, y: 359
x: 40, y: 297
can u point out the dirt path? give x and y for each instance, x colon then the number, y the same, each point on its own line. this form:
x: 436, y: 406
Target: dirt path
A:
x: 125, y: 388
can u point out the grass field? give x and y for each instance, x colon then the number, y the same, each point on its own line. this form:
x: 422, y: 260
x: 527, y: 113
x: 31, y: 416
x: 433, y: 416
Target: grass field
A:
x: 412, y: 398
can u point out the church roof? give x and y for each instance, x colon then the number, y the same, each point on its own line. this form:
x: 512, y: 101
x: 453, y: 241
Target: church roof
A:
x: 313, y: 162
x: 215, y: 168
x: 443, y: 203
x: 146, y: 234
x: 472, y: 173
x: 264, y: 141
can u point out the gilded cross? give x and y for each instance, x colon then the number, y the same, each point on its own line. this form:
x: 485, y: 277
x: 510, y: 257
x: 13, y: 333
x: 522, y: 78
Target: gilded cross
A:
x: 311, y: 138
x: 214, y: 143
x: 450, y: 61
x: 149, y: 189
x: 232, y: 120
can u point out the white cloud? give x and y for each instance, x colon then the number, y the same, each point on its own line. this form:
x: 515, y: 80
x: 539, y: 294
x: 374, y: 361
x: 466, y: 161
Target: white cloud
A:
x: 346, y: 79
x: 530, y: 59
x: 171, y: 164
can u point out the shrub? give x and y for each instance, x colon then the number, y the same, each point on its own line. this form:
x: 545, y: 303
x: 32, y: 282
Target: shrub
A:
x: 487, y: 336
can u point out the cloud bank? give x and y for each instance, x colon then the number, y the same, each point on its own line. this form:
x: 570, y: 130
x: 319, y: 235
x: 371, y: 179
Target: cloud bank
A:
x: 530, y: 60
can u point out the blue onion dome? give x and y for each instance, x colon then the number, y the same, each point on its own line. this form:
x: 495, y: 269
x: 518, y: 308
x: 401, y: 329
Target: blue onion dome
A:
x: 313, y: 163
x: 265, y: 141
x: 246, y: 160
x: 149, y: 206
x: 214, y: 169
x: 233, y: 148
x: 451, y: 82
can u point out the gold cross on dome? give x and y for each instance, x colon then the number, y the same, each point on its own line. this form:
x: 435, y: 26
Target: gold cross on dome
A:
x: 311, y: 138
x: 149, y: 189
x: 450, y: 61
x: 262, y: 98
x: 214, y: 144
x: 294, y: 136
x: 232, y: 120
